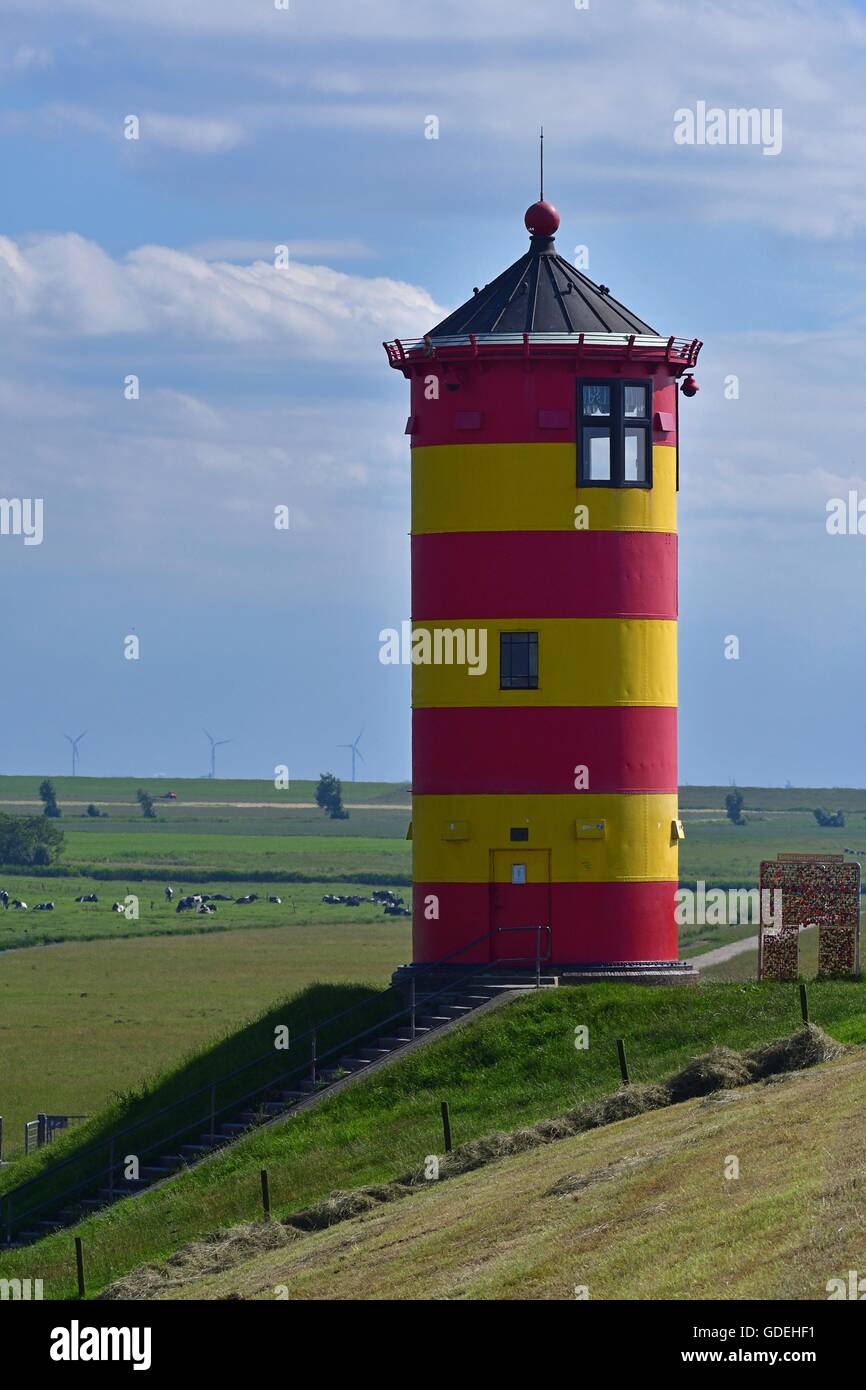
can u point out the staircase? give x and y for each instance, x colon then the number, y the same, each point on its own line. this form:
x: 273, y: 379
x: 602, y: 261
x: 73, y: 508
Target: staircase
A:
x: 444, y: 1008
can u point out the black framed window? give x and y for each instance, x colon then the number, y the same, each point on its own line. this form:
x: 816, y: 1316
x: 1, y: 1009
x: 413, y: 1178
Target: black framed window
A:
x: 614, y: 433
x: 518, y: 660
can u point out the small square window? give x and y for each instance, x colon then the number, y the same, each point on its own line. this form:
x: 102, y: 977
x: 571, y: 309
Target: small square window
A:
x: 518, y: 661
x: 519, y: 832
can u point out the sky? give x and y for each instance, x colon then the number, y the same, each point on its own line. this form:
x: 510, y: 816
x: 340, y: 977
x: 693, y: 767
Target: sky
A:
x: 262, y: 386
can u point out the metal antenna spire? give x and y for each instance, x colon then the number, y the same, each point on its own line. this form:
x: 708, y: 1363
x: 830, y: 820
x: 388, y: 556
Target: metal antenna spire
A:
x: 541, y: 154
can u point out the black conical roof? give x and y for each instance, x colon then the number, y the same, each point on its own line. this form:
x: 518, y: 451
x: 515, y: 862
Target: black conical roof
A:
x: 541, y: 293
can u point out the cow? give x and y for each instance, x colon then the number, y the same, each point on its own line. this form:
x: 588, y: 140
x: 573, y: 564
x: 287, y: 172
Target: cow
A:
x: 248, y: 898
x: 17, y: 903
x: 87, y: 898
x: 117, y: 907
x: 44, y: 907
x: 397, y: 911
x: 274, y: 900
x: 169, y: 892
x: 205, y: 909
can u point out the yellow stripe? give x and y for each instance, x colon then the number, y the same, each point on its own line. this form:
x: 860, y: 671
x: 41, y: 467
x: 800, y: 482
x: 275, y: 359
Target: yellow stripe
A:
x: 636, y: 847
x: 581, y: 661
x: 531, y: 487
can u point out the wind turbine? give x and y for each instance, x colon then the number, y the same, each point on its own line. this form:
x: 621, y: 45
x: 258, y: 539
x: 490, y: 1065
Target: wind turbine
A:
x: 74, y: 742
x: 356, y: 753
x: 215, y: 743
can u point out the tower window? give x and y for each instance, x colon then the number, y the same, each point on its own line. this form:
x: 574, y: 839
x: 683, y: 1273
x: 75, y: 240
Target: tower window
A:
x: 614, y: 433
x: 518, y: 660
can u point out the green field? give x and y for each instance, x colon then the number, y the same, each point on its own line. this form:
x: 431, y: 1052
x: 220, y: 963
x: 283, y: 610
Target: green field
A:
x: 245, y: 836
x: 499, y: 1072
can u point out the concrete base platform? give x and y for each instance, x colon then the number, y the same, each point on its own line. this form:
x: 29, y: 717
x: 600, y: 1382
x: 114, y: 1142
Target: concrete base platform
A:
x: 642, y: 972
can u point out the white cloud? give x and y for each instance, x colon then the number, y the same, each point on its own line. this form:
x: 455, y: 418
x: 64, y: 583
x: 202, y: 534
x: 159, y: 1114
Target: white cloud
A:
x: 66, y: 284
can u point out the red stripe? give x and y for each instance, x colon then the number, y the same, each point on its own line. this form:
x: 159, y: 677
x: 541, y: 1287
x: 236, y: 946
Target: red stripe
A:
x: 515, y: 406
x: 590, y: 922
x: 544, y: 574
x: 524, y: 749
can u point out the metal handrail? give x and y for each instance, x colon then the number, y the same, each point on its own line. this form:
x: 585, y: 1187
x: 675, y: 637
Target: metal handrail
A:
x: 236, y: 1102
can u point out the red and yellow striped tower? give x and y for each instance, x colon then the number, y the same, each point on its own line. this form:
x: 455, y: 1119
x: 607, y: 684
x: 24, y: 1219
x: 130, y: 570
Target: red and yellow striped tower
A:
x: 544, y: 605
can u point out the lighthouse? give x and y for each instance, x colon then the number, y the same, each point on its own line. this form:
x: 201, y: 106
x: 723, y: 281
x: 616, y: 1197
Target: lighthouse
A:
x: 544, y: 429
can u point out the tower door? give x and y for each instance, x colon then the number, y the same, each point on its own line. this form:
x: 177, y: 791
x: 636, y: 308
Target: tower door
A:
x: 519, y: 901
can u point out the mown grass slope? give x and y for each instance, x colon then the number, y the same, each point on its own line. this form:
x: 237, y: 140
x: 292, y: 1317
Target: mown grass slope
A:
x: 510, y: 1068
x: 642, y: 1209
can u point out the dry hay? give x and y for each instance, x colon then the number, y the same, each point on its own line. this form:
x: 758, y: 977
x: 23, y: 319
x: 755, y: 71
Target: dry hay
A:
x: 214, y: 1253
x: 808, y: 1047
x: 719, y: 1070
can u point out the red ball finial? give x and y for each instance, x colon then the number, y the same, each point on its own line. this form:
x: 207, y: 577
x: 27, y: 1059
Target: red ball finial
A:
x: 542, y: 219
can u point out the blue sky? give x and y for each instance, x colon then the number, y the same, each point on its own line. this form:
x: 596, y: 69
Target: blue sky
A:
x: 260, y: 387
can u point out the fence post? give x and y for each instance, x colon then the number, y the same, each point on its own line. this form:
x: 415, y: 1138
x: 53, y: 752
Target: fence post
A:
x: 446, y: 1126
x: 79, y: 1267
x: 623, y: 1064
x: 804, y: 1005
x: 313, y: 1056
x: 111, y: 1169
x: 266, y: 1194
x: 41, y: 1129
x: 412, y: 1006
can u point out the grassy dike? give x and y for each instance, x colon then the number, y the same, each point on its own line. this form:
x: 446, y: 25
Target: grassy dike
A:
x: 508, y: 1069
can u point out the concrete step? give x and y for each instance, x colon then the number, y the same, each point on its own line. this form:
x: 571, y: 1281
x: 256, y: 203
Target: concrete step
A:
x: 233, y: 1127
x: 354, y: 1063
x: 405, y: 1034
x: 432, y: 1020
x: 291, y: 1097
x: 154, y: 1171
x: 374, y: 1053
x: 171, y: 1161
x: 194, y: 1150
x: 392, y: 1042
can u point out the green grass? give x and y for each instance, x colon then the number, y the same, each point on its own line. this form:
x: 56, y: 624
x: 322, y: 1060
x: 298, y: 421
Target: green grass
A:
x: 108, y: 791
x: 301, y: 905
x: 314, y: 857
x: 638, y: 1210
x: 515, y: 1066
x: 81, y: 1021
x: 161, y: 1113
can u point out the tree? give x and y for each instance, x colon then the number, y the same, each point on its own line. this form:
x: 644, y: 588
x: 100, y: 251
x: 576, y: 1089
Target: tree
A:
x: 145, y: 801
x: 329, y: 795
x: 48, y: 797
x: 29, y: 840
x: 95, y: 812
x: 734, y: 807
x: 830, y: 820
